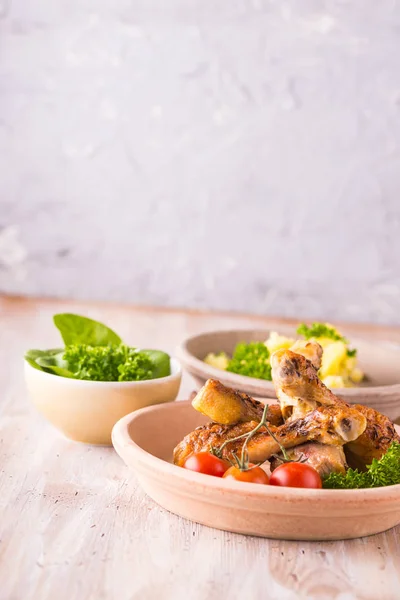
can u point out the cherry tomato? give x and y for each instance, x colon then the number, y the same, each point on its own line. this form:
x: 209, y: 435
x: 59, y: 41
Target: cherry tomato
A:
x: 253, y: 475
x: 204, y: 462
x: 295, y: 474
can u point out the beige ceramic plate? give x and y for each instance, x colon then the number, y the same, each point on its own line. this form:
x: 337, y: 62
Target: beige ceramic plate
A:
x: 145, y: 441
x: 380, y: 361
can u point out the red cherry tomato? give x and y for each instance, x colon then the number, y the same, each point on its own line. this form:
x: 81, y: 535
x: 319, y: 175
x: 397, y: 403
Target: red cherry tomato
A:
x: 204, y: 462
x: 295, y: 474
x: 253, y: 475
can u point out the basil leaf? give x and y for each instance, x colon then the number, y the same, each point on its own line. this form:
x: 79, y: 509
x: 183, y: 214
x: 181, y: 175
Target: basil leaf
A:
x: 161, y: 363
x: 52, y: 360
x: 55, y: 364
x: 31, y: 356
x: 75, y: 329
x: 59, y: 371
x: 33, y: 364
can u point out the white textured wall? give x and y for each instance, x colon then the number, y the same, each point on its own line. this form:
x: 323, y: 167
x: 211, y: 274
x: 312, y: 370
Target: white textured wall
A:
x: 231, y: 154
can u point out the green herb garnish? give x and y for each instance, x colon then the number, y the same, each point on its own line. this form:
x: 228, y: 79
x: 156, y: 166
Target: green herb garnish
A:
x: 108, y: 363
x: 351, y: 353
x: 94, y: 352
x: 321, y: 330
x: 382, y: 472
x: 252, y: 360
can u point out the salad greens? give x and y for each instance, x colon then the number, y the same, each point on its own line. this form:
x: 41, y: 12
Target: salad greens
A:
x: 251, y: 359
x: 339, y: 365
x: 160, y: 361
x: 320, y: 330
x: 108, y: 363
x: 75, y: 329
x: 382, y: 472
x: 32, y: 356
x: 95, y: 352
x: 55, y: 364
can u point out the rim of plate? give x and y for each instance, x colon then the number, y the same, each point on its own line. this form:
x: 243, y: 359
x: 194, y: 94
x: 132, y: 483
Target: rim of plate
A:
x: 120, y: 434
x: 202, y: 369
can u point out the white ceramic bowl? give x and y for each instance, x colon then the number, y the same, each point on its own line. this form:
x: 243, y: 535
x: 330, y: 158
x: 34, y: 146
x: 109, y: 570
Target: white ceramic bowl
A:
x: 86, y: 411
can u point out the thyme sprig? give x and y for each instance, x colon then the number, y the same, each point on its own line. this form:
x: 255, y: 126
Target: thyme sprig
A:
x: 242, y: 462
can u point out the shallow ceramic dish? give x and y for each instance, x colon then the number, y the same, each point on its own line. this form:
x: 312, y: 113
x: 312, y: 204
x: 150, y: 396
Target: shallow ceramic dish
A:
x: 145, y: 441
x: 380, y: 362
x: 86, y: 411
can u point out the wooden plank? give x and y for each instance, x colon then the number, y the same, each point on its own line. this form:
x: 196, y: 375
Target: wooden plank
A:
x: 75, y: 525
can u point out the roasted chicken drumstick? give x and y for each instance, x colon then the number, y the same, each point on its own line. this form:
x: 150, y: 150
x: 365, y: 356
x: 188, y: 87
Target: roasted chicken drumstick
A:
x: 310, y: 420
x: 326, y: 425
x: 325, y: 459
x: 227, y: 406
x: 310, y: 350
x: 375, y: 440
x: 300, y: 391
x: 297, y: 385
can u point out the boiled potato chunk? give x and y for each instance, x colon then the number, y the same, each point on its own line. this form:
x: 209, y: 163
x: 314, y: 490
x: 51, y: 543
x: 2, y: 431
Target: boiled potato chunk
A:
x: 277, y: 342
x: 219, y: 361
x: 356, y: 375
x: 334, y: 381
x: 333, y: 359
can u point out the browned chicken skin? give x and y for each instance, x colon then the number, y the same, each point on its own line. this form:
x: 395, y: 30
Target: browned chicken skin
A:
x: 310, y: 350
x: 227, y: 406
x: 300, y: 390
x: 317, y: 425
x: 326, y: 425
x: 374, y: 442
x: 203, y: 438
x: 297, y: 385
x: 325, y: 459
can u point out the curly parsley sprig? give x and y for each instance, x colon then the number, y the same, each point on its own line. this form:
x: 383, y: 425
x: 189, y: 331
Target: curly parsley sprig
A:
x: 380, y: 473
x: 108, y: 363
x: 252, y: 359
x: 322, y: 330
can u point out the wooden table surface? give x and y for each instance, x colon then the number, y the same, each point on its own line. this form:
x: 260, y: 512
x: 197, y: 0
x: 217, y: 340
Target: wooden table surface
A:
x: 74, y: 525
